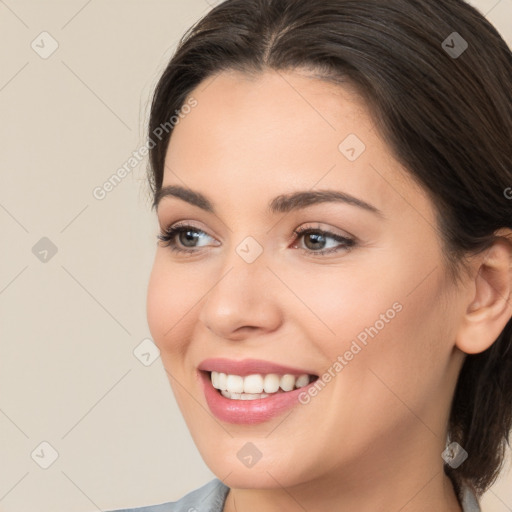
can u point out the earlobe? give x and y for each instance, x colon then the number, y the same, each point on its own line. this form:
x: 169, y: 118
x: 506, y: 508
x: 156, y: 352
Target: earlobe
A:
x: 490, y: 307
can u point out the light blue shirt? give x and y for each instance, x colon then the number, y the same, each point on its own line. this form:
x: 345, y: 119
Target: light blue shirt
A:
x: 212, y: 496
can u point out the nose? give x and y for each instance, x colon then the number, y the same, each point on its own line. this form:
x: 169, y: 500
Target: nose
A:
x: 242, y: 301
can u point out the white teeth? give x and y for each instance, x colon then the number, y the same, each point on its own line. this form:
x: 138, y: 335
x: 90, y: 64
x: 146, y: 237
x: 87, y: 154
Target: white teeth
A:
x: 252, y: 396
x: 222, y: 381
x: 235, y: 384
x: 287, y: 382
x: 256, y: 385
x: 243, y: 396
x: 271, y: 383
x: 253, y: 383
x: 215, y: 380
x: 302, y: 381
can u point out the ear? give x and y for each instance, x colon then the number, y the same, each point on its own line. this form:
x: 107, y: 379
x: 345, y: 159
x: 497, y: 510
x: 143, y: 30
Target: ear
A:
x: 490, y: 305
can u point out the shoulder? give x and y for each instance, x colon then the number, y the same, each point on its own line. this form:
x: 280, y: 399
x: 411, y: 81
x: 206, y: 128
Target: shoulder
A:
x: 208, y: 498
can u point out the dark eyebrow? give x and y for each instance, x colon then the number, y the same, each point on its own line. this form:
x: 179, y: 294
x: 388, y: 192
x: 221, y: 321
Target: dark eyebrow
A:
x: 281, y: 204
x: 185, y: 194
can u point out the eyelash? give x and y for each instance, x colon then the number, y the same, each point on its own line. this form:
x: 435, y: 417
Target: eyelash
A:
x: 170, y: 234
x: 346, y: 242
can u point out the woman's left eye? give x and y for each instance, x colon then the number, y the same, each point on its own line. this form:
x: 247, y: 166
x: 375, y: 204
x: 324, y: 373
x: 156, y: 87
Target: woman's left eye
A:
x: 317, y: 239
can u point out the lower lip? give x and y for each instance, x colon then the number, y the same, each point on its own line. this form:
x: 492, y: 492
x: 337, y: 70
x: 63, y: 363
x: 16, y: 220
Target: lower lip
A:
x: 248, y: 411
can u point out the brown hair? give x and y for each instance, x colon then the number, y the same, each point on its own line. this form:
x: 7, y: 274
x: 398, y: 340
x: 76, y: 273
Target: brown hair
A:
x: 445, y: 111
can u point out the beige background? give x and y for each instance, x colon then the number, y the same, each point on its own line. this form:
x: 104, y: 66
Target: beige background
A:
x: 69, y: 325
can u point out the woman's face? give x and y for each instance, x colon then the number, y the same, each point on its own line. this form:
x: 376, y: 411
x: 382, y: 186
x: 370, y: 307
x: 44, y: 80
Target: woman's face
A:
x: 374, y: 317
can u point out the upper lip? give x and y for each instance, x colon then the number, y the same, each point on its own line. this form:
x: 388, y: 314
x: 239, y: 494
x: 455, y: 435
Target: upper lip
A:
x: 248, y: 366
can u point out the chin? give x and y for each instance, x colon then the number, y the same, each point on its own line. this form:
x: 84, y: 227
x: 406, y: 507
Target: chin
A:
x: 263, y: 474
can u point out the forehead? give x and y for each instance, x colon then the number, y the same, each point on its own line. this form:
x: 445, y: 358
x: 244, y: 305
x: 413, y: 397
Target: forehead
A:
x: 276, y: 132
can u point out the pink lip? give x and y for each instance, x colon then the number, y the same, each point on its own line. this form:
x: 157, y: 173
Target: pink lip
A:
x: 248, y: 367
x: 248, y: 411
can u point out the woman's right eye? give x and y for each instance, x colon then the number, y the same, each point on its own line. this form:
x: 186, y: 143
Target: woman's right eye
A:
x: 185, y: 234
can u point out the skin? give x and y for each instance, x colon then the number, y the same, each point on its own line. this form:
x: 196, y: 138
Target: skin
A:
x: 372, y: 439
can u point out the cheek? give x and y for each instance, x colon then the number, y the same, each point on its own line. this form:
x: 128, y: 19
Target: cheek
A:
x: 336, y: 305
x: 169, y: 305
x: 402, y: 363
x: 386, y: 318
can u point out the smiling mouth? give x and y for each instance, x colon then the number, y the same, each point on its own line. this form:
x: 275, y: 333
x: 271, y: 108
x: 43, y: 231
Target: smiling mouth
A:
x: 257, y: 385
